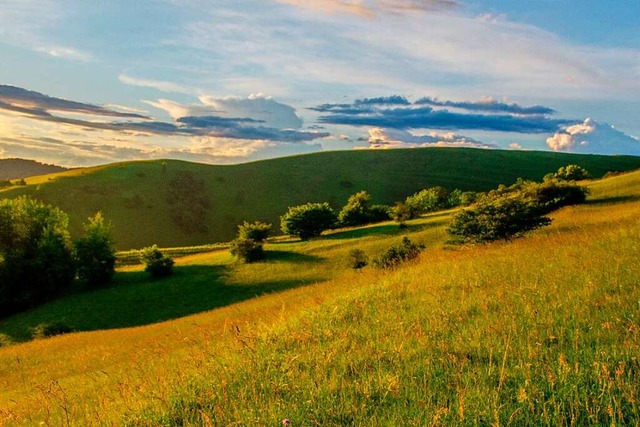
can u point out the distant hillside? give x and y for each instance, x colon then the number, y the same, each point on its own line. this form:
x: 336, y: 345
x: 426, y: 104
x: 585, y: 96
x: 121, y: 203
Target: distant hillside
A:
x: 21, y: 168
x: 175, y: 203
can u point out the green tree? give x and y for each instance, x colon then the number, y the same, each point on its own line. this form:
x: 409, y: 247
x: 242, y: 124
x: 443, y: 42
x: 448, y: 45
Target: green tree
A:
x: 570, y: 173
x: 309, y: 220
x: 257, y: 231
x: 247, y: 250
x: 428, y: 200
x: 156, y: 263
x: 401, y: 213
x: 36, y: 261
x: 95, y: 254
x: 356, y: 211
x: 396, y: 255
x: 494, y: 218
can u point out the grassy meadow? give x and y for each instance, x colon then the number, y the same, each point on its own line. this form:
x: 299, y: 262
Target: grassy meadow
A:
x: 158, y: 202
x: 544, y: 330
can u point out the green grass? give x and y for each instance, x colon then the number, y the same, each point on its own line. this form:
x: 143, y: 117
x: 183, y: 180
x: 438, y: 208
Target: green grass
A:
x: 541, y: 331
x: 135, y: 196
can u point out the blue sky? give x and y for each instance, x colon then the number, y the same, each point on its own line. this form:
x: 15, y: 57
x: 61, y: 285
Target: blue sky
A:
x: 232, y: 81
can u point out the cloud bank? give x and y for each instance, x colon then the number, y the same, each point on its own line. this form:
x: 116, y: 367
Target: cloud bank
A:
x: 397, y: 113
x: 594, y: 138
x: 394, y: 138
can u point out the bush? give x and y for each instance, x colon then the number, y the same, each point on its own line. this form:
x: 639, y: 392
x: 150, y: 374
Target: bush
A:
x: 570, y: 173
x: 248, y: 250
x: 496, y: 217
x: 157, y: 264
x: 309, y: 220
x: 462, y: 198
x: 46, y: 330
x: 379, y: 213
x: 36, y: 261
x: 356, y: 211
x: 401, y: 213
x: 257, y: 231
x: 396, y: 255
x: 428, y: 200
x: 94, y: 253
x: 357, y: 259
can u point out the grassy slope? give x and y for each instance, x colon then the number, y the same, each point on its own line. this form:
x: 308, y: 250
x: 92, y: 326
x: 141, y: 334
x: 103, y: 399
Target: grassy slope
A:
x: 134, y: 195
x: 544, y: 330
x: 21, y: 168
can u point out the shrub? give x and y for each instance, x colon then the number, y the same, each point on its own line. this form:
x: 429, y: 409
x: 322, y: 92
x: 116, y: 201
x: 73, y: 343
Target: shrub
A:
x: 94, y: 253
x: 248, y: 250
x: 570, y: 173
x: 496, y: 217
x: 36, y: 261
x: 357, y: 259
x: 462, y: 198
x: 157, y: 264
x: 45, y: 330
x: 258, y: 231
x: 396, y: 255
x: 356, y: 211
x: 309, y: 220
x: 401, y: 213
x: 428, y: 200
x: 379, y: 213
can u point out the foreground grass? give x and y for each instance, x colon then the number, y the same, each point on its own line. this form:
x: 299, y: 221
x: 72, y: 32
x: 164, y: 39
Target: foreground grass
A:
x: 544, y: 330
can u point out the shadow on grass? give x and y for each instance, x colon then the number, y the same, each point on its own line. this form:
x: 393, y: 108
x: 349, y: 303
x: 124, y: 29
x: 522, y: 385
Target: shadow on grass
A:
x: 136, y: 300
x: 287, y: 256
x: 385, y: 230
x: 612, y: 200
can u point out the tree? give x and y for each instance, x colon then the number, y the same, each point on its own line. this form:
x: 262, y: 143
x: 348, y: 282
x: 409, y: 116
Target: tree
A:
x: 570, y: 173
x: 401, y: 213
x: 494, y: 218
x: 356, y: 211
x: 248, y: 246
x: 156, y: 263
x: 248, y: 250
x: 309, y: 220
x: 36, y: 261
x: 428, y: 200
x: 257, y: 231
x: 95, y: 254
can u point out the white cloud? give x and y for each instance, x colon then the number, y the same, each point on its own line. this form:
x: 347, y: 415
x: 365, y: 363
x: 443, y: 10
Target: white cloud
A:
x: 64, y: 52
x: 380, y: 138
x: 515, y: 146
x: 258, y: 107
x: 594, y: 138
x: 162, y: 86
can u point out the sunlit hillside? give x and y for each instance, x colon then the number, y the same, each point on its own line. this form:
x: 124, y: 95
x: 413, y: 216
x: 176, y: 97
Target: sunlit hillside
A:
x: 172, y: 203
x: 541, y: 330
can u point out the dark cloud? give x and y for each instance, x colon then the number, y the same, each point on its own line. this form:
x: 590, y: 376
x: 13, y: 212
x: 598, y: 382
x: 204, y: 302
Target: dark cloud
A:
x: 383, y: 100
x: 490, y: 106
x: 418, y: 116
x: 39, y: 106
x: 29, y: 102
x: 243, y: 128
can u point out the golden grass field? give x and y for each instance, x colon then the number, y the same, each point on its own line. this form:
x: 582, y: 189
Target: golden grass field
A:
x: 544, y: 330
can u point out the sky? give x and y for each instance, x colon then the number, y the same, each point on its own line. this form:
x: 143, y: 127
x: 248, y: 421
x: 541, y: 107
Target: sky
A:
x: 86, y: 82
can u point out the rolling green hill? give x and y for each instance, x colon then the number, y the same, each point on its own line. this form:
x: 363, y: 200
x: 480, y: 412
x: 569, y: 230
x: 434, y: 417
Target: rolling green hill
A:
x: 21, y: 168
x: 174, y: 203
x: 543, y: 330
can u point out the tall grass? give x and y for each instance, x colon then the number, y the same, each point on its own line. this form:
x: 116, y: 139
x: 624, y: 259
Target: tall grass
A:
x: 542, y: 331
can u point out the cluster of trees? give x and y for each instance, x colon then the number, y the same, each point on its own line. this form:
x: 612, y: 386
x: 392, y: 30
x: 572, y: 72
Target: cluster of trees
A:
x: 38, y: 259
x: 391, y: 258
x: 510, y: 211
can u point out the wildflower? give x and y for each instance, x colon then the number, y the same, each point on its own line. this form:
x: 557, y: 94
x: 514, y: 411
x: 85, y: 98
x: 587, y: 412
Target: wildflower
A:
x: 286, y: 422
